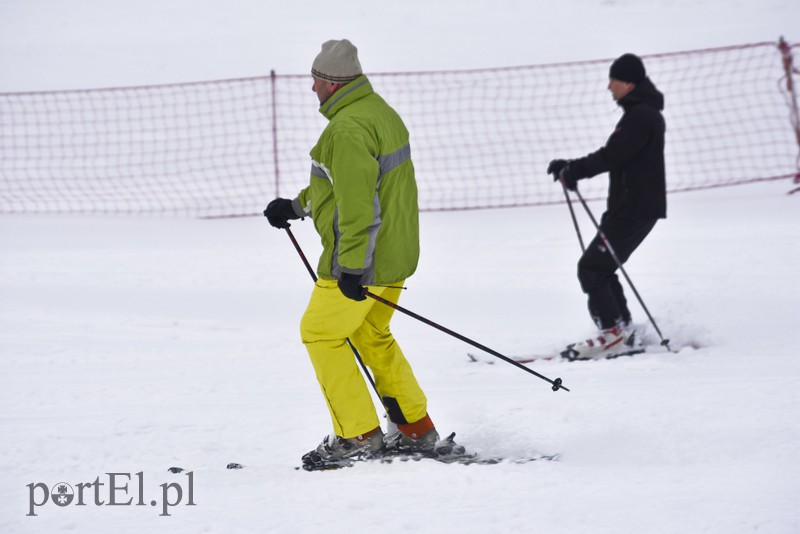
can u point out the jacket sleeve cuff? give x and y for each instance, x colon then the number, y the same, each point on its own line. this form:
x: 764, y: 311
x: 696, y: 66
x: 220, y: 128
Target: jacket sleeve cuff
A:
x: 298, y: 209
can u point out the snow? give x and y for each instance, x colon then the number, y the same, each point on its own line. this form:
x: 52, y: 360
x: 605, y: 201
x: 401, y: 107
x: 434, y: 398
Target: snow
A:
x: 133, y: 345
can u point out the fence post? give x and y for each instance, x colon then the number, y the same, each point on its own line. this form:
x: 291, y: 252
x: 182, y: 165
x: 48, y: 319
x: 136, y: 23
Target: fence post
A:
x: 276, y: 164
x: 788, y: 66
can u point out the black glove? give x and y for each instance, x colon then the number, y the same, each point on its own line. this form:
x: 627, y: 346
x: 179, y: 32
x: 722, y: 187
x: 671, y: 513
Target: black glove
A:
x: 279, y: 212
x: 350, y: 286
x: 560, y: 169
x: 555, y: 167
x: 568, y: 179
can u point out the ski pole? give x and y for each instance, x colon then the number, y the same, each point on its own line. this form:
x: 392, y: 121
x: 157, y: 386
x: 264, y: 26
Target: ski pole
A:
x: 353, y: 347
x: 664, y: 342
x: 555, y: 383
x: 574, y: 220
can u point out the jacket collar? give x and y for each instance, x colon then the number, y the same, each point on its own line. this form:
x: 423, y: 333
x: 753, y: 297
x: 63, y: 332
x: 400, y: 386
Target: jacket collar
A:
x: 646, y: 93
x: 346, y: 95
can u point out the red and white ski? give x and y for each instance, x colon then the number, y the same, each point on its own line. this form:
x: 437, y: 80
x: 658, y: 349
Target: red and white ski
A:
x: 530, y: 358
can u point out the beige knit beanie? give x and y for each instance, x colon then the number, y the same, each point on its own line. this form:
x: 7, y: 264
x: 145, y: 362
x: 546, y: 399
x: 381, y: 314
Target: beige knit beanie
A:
x: 337, y: 62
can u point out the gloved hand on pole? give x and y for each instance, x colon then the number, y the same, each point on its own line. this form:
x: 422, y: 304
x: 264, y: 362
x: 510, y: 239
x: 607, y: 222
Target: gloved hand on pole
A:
x: 560, y: 170
x: 279, y: 212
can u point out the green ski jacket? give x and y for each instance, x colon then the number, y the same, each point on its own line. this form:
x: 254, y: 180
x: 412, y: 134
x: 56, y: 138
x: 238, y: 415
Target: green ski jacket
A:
x: 362, y: 194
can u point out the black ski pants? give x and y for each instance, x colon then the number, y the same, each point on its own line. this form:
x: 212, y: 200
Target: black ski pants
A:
x: 597, y: 268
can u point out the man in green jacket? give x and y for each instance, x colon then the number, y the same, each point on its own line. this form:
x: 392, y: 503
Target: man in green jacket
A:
x: 362, y: 197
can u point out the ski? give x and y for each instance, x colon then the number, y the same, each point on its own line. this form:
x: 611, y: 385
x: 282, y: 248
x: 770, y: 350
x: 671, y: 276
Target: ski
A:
x: 451, y: 456
x: 388, y: 457
x: 450, y: 453
x: 562, y: 356
x: 480, y: 358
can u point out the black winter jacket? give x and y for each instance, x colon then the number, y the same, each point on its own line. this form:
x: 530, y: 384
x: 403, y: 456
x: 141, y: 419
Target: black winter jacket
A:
x: 633, y: 157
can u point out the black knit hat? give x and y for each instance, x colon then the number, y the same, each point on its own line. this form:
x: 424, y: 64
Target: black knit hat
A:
x: 627, y: 68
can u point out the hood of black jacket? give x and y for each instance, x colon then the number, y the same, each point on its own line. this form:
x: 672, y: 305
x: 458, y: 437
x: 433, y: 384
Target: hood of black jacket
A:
x: 644, y: 93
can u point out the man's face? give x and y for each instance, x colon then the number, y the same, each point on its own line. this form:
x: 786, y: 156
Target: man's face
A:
x: 323, y: 89
x: 619, y: 89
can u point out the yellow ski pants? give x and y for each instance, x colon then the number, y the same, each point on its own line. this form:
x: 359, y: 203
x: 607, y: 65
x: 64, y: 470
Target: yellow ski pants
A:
x: 329, y: 319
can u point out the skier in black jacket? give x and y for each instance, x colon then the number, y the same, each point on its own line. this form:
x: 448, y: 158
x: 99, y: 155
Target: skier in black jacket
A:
x: 634, y: 158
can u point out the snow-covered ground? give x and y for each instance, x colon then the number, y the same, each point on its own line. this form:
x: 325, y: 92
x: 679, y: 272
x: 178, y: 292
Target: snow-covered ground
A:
x: 132, y: 346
